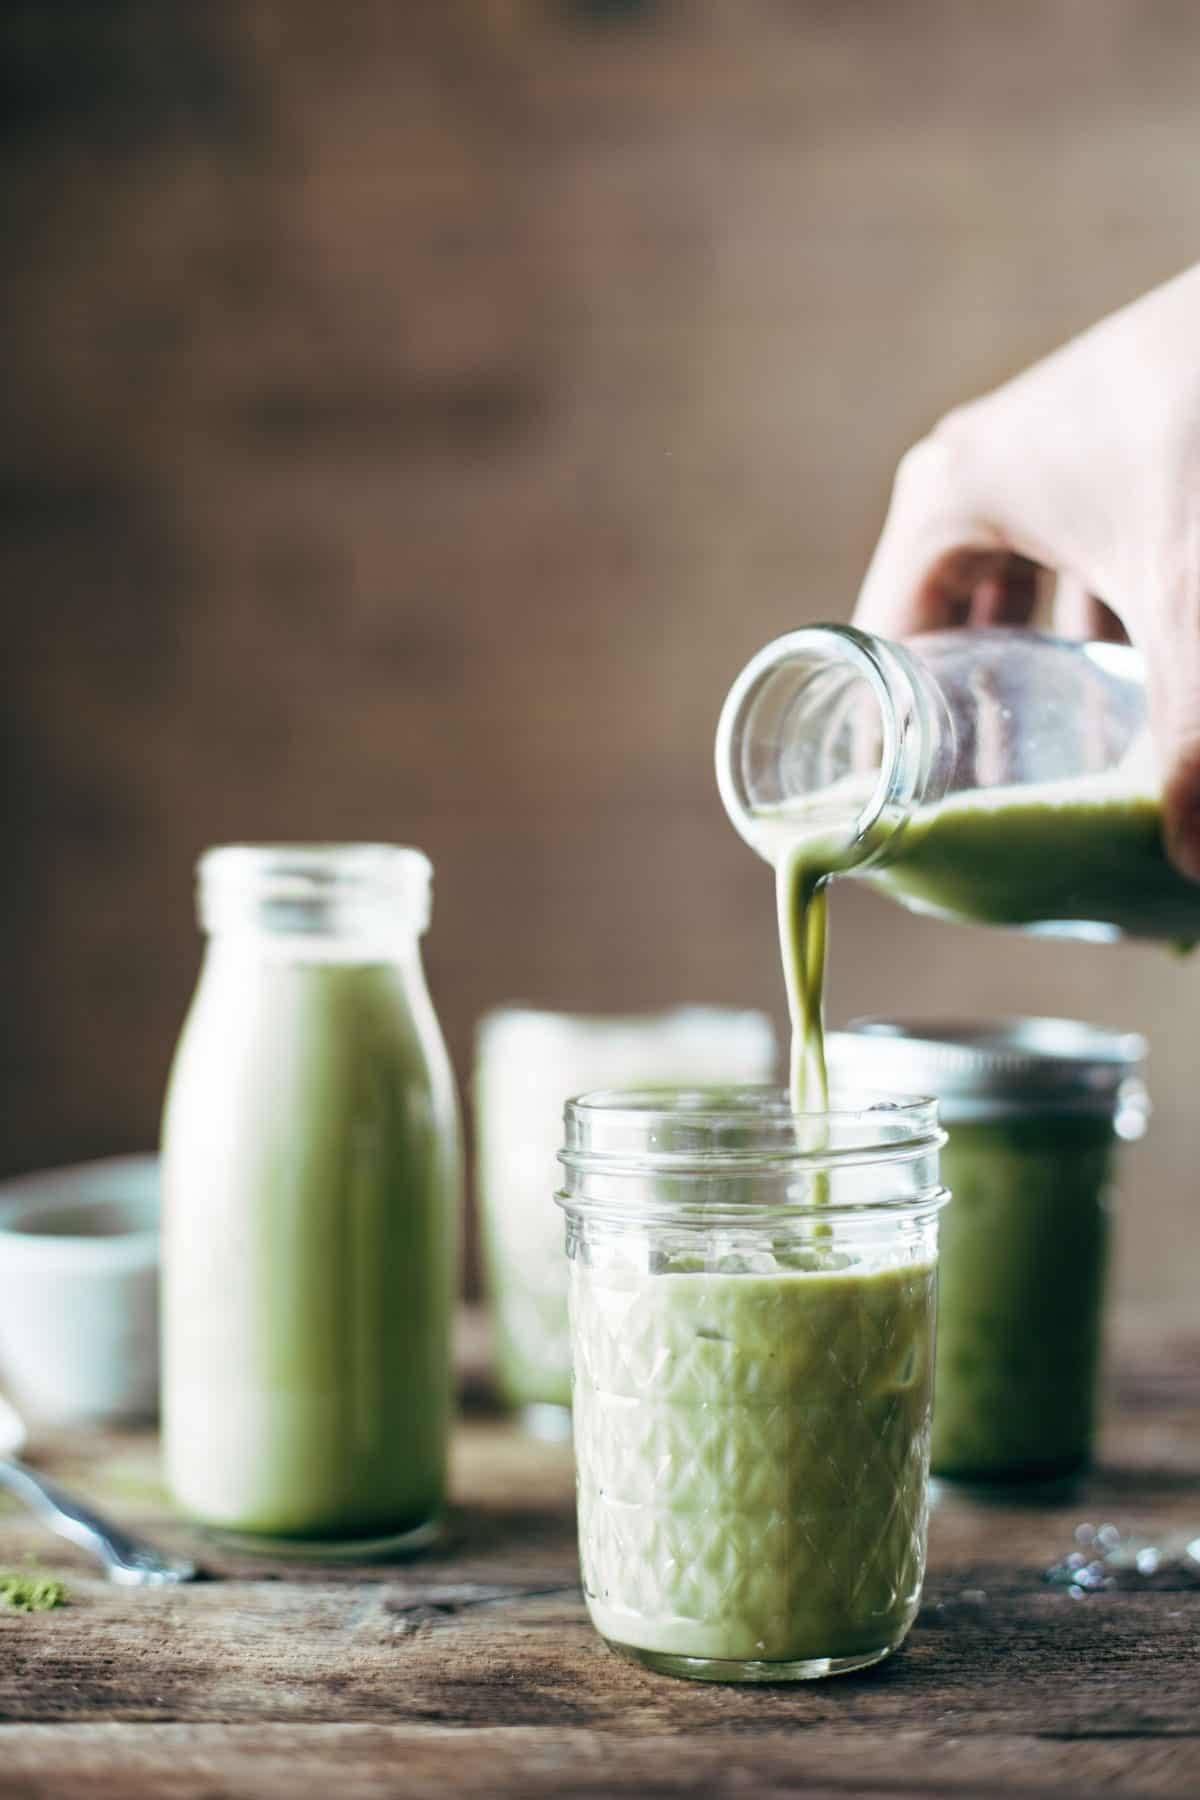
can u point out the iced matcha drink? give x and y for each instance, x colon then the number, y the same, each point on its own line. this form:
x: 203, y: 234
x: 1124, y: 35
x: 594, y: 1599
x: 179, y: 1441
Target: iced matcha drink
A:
x: 1023, y: 1253
x: 310, y: 1201
x: 752, y: 1453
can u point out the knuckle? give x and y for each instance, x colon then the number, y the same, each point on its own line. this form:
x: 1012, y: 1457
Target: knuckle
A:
x: 937, y: 463
x: 955, y: 429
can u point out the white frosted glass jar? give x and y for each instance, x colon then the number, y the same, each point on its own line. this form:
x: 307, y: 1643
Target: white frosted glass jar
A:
x: 528, y: 1064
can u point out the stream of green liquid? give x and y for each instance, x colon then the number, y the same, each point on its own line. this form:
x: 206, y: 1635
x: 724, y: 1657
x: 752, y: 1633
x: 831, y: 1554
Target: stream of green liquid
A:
x: 801, y: 898
x: 802, y: 872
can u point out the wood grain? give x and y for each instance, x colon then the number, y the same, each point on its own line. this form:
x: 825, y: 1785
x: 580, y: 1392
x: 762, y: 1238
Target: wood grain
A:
x: 474, y: 1670
x: 417, y: 413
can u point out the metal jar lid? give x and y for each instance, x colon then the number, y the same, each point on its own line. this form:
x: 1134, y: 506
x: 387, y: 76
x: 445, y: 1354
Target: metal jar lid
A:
x: 999, y: 1068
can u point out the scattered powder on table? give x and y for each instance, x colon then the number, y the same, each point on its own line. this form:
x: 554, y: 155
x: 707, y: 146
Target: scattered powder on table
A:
x: 31, y: 1592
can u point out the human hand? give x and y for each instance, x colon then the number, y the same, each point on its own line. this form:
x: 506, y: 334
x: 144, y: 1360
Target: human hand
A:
x: 1087, y: 465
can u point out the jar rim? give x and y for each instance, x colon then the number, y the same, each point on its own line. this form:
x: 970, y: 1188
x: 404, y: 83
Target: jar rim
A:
x: 709, y: 1132
x: 552, y: 1023
x: 522, y: 1012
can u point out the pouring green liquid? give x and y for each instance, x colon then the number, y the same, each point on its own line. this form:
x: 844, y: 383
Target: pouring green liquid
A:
x: 802, y: 907
x: 807, y: 847
x: 1080, y: 859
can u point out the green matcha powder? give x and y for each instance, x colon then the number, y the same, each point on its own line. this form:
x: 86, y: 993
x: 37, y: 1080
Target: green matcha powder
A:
x: 31, y: 1592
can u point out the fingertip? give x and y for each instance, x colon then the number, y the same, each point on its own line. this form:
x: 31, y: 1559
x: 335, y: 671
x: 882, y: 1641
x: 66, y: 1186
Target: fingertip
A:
x: 1182, y: 818
x: 1183, y: 842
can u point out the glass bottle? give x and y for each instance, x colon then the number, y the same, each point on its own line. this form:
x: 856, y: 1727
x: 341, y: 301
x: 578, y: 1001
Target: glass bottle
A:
x: 311, y: 1174
x: 528, y: 1064
x: 752, y: 1319
x: 1001, y: 776
x: 1033, y: 1109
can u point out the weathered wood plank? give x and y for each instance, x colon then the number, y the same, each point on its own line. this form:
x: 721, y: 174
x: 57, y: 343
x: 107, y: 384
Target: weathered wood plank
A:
x: 475, y: 1670
x: 995, y: 1651
x: 359, y: 1762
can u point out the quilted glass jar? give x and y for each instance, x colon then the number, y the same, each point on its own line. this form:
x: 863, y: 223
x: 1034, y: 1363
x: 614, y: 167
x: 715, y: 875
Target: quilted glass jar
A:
x: 752, y: 1298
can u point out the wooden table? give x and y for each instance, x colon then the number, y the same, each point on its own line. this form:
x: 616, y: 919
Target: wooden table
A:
x: 475, y: 1671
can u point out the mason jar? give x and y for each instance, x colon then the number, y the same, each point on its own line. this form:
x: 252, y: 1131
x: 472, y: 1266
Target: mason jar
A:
x: 528, y: 1062
x: 998, y: 776
x: 1034, y: 1110
x: 752, y: 1297
x: 311, y: 1176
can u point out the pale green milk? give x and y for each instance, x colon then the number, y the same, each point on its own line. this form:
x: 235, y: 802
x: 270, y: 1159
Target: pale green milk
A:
x: 310, y: 1195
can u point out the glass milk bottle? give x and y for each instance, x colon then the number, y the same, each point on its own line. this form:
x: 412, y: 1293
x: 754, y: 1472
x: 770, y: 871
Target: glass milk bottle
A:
x: 1000, y: 776
x: 311, y: 1176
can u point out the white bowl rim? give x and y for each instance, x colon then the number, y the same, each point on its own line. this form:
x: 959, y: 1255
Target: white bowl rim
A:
x: 79, y: 1185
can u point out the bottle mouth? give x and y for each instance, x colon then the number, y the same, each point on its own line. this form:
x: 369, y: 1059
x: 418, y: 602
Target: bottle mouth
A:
x: 313, y: 890
x: 827, y: 727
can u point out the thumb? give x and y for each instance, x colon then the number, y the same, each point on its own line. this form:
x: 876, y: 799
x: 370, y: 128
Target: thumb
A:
x: 1174, y: 673
x: 1166, y: 628
x: 938, y: 552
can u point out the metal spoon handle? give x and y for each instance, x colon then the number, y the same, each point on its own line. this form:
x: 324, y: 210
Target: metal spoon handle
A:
x: 128, y: 1560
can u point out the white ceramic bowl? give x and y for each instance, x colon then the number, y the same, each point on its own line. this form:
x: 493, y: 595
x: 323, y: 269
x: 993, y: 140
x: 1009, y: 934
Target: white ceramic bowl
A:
x: 79, y: 1291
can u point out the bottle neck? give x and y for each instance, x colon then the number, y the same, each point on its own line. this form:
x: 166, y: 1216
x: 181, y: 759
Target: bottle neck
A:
x: 918, y: 750
x: 832, y: 727
x: 336, y: 901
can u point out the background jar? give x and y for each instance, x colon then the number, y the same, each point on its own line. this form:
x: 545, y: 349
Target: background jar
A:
x: 1034, y: 1109
x: 311, y: 1189
x: 752, y: 1318
x: 528, y: 1063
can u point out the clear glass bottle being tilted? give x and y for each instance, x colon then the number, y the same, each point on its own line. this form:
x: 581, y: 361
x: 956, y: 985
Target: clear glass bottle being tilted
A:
x: 1001, y: 776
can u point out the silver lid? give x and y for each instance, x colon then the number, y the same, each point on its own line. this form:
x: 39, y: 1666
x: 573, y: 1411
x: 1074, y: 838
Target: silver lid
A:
x: 998, y: 1067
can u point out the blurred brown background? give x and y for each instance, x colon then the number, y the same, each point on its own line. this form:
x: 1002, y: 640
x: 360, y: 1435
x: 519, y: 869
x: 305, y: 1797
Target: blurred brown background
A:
x: 417, y: 413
